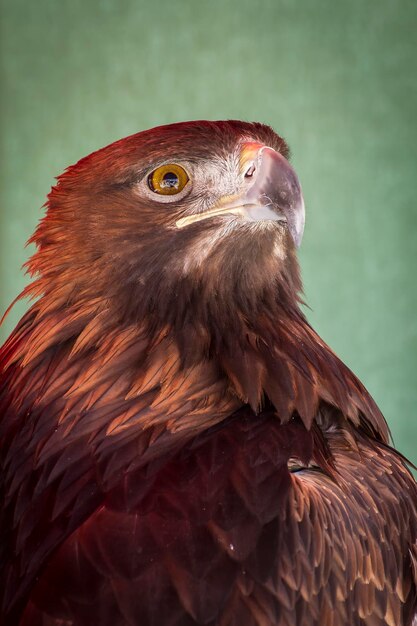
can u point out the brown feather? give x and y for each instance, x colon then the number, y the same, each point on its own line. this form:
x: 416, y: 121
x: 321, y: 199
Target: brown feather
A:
x: 185, y: 450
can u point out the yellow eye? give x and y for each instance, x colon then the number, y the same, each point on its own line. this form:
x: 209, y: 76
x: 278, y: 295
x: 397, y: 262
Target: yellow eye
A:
x: 168, y: 180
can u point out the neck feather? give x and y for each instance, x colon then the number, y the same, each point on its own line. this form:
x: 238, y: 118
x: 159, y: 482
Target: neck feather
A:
x: 196, y: 368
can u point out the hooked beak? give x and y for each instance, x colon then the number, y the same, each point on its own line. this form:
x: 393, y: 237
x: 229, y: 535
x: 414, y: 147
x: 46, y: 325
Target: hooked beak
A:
x: 274, y: 193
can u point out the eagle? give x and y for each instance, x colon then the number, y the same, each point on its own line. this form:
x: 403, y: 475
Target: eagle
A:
x: 178, y: 446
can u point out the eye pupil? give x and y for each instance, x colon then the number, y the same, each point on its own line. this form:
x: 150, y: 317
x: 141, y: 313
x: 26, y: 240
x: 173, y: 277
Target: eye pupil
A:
x: 170, y: 180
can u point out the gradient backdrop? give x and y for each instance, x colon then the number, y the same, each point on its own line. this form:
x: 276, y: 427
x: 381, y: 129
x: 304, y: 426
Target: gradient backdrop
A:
x: 336, y: 79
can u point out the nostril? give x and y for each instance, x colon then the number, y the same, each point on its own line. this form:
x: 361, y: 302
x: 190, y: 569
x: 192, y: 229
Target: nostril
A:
x: 250, y: 171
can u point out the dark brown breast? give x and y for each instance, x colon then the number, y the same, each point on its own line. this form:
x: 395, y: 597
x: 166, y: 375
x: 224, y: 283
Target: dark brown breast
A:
x: 223, y: 534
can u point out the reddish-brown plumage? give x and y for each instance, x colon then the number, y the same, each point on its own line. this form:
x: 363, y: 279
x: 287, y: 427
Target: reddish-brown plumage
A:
x: 178, y: 446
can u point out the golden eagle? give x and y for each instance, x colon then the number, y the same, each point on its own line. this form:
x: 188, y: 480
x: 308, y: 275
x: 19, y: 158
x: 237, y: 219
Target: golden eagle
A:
x: 178, y: 446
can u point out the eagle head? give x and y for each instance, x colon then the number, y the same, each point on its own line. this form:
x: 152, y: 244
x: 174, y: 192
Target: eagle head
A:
x: 202, y: 216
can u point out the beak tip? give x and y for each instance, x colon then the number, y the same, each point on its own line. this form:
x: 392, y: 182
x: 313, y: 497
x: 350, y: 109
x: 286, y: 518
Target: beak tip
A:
x: 298, y: 222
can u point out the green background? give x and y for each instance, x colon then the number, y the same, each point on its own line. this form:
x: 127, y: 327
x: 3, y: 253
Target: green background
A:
x: 336, y: 79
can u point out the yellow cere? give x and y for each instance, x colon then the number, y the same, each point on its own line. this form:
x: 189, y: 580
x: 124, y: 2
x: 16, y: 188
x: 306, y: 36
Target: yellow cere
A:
x: 168, y: 179
x: 248, y: 154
